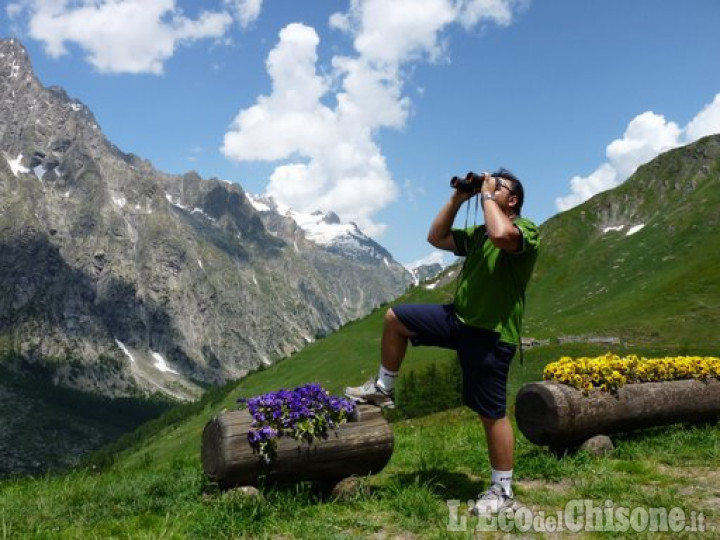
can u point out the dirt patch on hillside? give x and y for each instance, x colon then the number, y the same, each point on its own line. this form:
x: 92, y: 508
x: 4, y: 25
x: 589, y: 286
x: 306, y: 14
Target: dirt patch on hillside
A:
x: 701, y: 486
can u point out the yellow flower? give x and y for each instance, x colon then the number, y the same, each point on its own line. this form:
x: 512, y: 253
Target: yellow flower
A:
x: 611, y: 371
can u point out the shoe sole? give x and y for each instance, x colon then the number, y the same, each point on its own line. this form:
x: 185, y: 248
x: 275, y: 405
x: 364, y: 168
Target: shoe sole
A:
x: 383, y: 403
x: 508, y: 507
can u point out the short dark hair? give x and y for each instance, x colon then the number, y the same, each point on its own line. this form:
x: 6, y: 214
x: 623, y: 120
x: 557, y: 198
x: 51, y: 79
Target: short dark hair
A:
x: 517, y: 188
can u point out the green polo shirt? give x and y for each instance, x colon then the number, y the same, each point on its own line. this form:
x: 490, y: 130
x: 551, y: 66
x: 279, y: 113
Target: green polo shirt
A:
x: 491, y: 289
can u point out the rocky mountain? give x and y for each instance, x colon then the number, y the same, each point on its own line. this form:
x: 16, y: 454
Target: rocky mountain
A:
x: 322, y: 228
x: 120, y: 279
x: 424, y: 272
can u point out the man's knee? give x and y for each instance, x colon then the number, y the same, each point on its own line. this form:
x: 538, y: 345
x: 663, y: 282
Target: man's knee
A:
x: 394, y: 324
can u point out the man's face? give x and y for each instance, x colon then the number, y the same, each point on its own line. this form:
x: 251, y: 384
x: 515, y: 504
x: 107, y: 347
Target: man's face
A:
x: 504, y: 194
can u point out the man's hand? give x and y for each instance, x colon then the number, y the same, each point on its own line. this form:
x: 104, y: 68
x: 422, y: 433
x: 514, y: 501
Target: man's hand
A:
x: 488, y: 184
x: 459, y: 196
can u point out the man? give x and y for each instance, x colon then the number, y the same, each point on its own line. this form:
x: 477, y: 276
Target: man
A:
x: 483, y: 323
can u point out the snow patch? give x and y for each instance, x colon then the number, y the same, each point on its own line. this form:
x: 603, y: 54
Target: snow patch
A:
x: 319, y: 231
x: 124, y: 349
x: 76, y: 107
x: 258, y: 205
x: 200, y: 264
x: 16, y: 167
x: 324, y: 229
x: 634, y: 229
x: 120, y: 201
x: 613, y: 228
x: 161, y: 364
x: 176, y: 205
x: 202, y: 212
x: 185, y: 208
x: 39, y: 172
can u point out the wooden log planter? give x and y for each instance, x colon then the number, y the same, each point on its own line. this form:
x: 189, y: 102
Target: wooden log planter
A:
x: 557, y: 415
x: 359, y: 447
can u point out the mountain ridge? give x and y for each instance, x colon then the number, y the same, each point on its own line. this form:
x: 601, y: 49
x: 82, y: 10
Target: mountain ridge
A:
x: 551, y: 286
x: 123, y: 279
x: 647, y: 243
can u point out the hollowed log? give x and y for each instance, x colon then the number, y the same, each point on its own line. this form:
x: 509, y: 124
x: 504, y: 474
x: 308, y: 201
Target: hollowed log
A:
x: 356, y: 448
x: 554, y: 414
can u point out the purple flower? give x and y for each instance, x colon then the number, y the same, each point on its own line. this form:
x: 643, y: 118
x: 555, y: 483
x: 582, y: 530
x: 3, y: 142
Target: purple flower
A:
x: 305, y: 413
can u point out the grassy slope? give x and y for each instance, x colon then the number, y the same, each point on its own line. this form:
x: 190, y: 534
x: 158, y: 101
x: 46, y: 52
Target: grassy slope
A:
x: 157, y: 491
x: 155, y: 488
x: 659, y: 285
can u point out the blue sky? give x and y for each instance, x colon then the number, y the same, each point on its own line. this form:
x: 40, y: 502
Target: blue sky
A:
x: 369, y: 107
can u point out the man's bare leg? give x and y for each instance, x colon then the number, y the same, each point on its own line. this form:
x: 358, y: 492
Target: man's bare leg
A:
x: 393, y: 344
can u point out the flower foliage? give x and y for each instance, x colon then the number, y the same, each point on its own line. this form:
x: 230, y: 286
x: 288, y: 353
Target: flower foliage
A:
x: 305, y: 413
x: 610, y: 371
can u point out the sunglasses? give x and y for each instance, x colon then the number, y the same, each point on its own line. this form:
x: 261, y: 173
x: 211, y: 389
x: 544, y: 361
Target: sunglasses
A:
x: 499, y: 183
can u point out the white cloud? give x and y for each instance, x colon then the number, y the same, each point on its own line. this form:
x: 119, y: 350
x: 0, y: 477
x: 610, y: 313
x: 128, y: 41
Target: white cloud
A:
x: 119, y: 36
x: 246, y: 11
x: 333, y: 161
x: 500, y: 12
x: 13, y: 10
x: 584, y: 187
x: 646, y: 136
x: 706, y: 122
x: 393, y: 31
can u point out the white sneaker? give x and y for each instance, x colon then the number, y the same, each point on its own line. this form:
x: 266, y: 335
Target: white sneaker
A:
x: 492, y: 501
x: 370, y: 392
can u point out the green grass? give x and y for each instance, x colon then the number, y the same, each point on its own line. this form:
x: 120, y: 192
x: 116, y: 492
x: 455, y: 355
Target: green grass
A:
x: 656, y: 286
x: 154, y: 487
x: 158, y: 490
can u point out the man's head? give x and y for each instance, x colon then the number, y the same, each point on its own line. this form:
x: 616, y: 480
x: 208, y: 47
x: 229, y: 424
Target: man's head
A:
x: 515, y: 188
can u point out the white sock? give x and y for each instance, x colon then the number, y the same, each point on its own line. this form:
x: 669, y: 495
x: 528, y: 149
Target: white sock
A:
x: 504, y: 478
x: 386, y: 379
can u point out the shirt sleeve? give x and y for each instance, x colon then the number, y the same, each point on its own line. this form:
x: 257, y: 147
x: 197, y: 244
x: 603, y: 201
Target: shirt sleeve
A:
x: 461, y: 241
x: 530, y: 234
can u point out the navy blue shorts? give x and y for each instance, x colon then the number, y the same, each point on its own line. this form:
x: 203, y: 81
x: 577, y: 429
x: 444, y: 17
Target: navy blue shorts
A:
x: 485, y: 360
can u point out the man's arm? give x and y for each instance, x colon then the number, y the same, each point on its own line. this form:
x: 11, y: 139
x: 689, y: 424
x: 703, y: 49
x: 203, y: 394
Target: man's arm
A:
x: 440, y: 234
x: 500, y: 229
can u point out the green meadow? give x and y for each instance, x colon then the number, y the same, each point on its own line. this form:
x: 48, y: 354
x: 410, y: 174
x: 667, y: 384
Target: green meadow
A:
x: 656, y: 291
x: 151, y: 485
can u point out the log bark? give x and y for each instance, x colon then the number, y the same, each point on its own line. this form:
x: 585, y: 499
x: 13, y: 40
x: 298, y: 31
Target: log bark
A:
x: 554, y: 414
x: 356, y: 448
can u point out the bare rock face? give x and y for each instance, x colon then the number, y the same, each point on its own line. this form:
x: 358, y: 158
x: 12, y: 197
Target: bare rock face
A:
x: 119, y: 278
